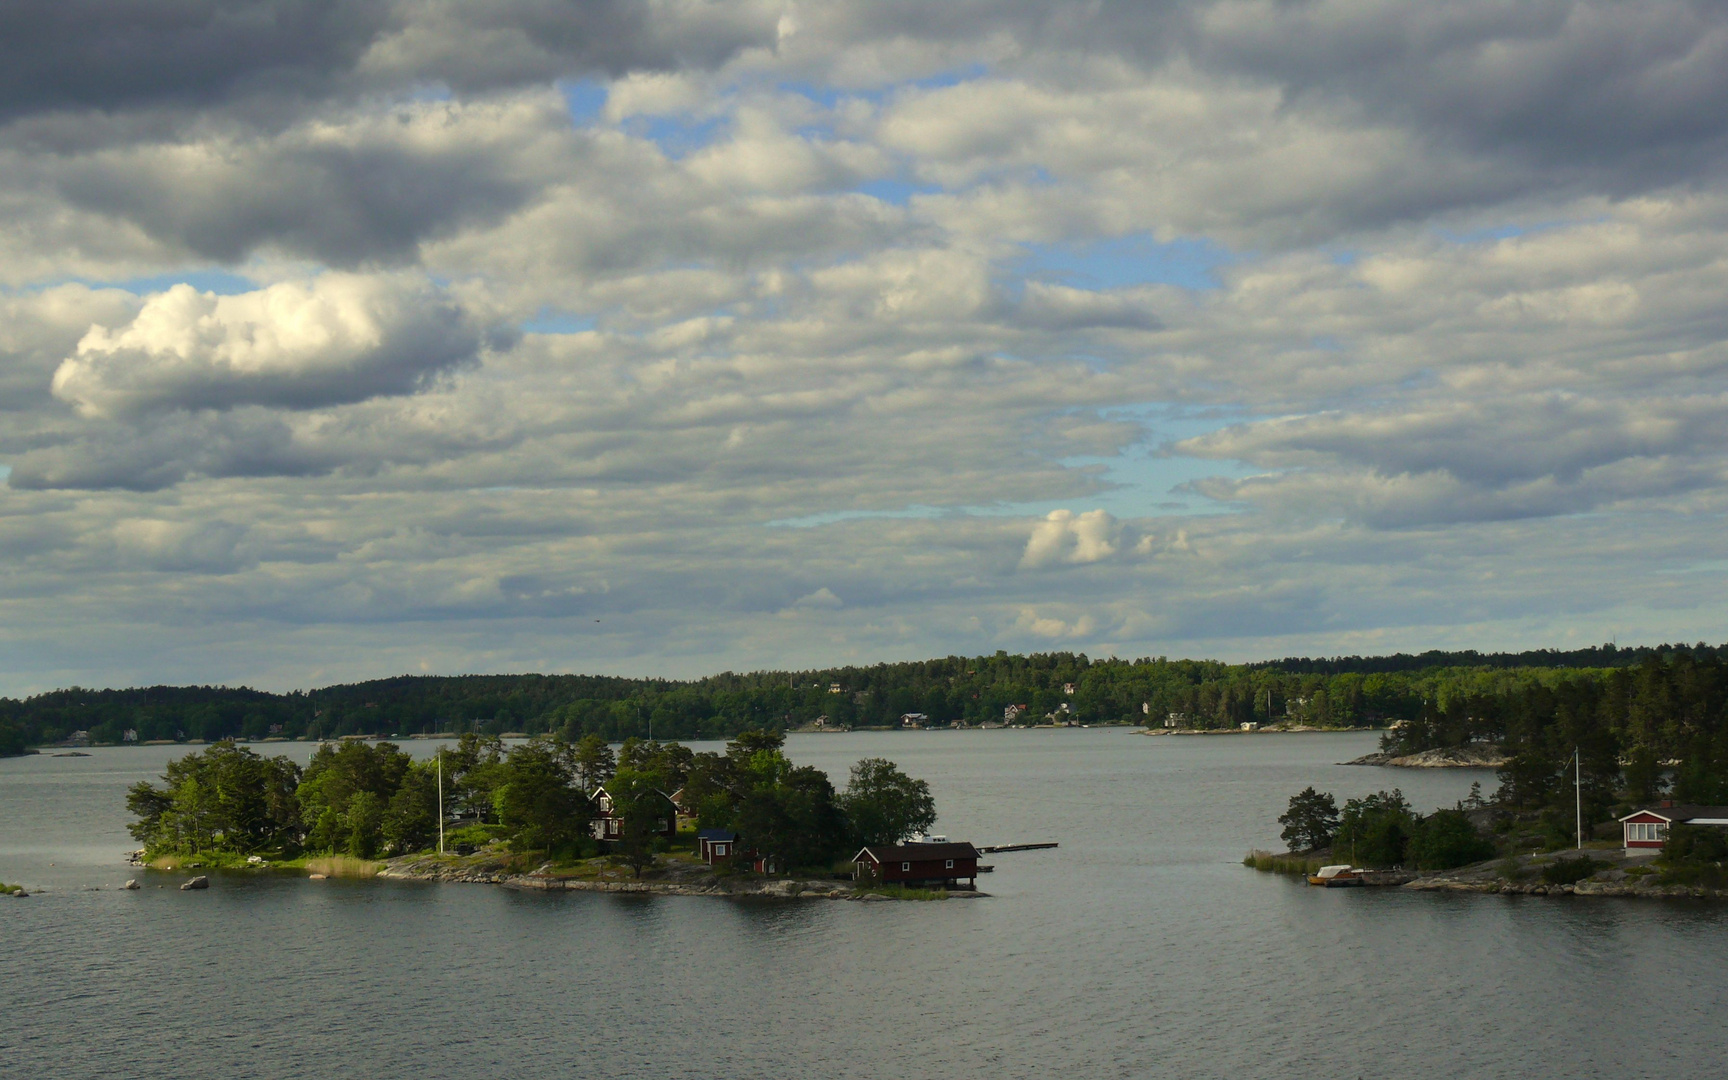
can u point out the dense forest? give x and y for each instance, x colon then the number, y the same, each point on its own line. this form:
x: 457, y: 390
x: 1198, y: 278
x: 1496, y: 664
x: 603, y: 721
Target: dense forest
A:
x: 1654, y: 700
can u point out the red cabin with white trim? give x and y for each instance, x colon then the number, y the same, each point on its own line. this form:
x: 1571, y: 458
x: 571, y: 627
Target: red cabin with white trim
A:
x: 1647, y: 829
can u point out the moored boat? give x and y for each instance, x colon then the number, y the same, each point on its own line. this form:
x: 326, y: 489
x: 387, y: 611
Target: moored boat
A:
x: 1336, y: 877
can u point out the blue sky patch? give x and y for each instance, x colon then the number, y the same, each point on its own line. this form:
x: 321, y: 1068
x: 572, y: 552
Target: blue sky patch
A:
x: 1129, y: 260
x: 548, y: 321
x: 584, y: 98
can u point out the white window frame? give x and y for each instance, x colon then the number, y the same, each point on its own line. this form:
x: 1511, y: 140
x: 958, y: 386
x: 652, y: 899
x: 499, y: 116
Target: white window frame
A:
x: 950, y: 865
x: 905, y: 868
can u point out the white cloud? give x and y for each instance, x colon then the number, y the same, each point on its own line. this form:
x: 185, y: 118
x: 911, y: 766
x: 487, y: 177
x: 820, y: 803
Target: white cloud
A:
x: 1068, y: 537
x: 336, y: 338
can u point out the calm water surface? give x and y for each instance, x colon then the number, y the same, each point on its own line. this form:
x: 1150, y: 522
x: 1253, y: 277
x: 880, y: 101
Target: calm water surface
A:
x: 1140, y: 947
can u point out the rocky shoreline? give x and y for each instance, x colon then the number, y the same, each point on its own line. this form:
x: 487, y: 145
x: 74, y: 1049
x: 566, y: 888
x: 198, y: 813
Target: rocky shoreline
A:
x: 672, y: 878
x: 1613, y: 872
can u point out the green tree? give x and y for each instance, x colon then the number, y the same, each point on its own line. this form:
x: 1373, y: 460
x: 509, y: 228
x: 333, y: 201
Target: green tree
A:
x: 884, y: 805
x: 226, y: 798
x: 594, y: 762
x: 644, y: 811
x: 1445, y: 839
x: 344, y: 793
x: 411, y: 819
x: 538, y: 801
x: 1375, y: 830
x: 1311, y: 821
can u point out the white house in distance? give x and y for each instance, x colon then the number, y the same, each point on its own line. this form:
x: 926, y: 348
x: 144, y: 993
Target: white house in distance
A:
x: 1648, y: 828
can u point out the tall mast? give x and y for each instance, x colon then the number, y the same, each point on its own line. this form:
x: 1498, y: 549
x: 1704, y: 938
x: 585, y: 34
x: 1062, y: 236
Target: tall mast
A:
x: 1578, y: 794
x: 440, y: 800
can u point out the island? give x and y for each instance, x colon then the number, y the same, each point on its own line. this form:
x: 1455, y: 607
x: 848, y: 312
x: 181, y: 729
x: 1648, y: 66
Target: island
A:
x: 548, y: 814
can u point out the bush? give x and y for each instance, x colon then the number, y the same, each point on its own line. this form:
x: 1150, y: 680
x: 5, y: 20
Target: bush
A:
x: 1696, y: 844
x: 1568, y: 871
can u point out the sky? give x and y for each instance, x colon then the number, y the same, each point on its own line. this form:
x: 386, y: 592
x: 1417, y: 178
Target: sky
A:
x: 341, y: 340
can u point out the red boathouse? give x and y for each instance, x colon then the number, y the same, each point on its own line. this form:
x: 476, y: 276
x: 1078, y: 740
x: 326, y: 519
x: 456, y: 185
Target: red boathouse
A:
x: 918, y: 864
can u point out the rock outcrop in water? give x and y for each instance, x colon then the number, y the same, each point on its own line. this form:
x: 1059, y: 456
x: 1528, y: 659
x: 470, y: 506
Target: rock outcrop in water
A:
x: 199, y: 882
x: 1473, y: 756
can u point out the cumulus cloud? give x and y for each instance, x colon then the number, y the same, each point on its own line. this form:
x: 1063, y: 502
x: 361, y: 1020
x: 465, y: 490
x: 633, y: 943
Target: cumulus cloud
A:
x: 1069, y: 537
x: 337, y: 338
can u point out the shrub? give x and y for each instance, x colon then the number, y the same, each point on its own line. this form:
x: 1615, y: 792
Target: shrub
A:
x: 1699, y: 844
x: 1568, y: 871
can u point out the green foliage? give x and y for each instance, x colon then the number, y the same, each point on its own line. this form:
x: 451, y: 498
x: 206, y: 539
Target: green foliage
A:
x: 226, y: 798
x: 411, y: 819
x: 593, y: 761
x: 1695, y: 844
x: 1375, y: 831
x: 538, y: 801
x: 1446, y: 839
x: 1311, y: 821
x: 344, y: 794
x: 1470, y: 695
x: 1570, y: 871
x: 884, y: 805
x: 645, y: 812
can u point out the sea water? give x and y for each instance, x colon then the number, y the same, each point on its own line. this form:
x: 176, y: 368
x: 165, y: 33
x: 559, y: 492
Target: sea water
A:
x: 1138, y: 948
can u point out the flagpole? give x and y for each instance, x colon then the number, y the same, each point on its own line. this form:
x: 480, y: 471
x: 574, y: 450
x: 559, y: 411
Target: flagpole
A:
x: 1578, y: 795
x: 440, y: 800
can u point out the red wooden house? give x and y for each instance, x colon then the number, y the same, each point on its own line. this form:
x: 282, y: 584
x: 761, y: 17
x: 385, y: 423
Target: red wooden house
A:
x: 1648, y: 828
x: 718, y: 847
x: 609, y: 825
x: 918, y: 864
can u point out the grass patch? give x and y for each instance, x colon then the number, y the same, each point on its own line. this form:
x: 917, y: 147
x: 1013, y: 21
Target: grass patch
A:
x: 902, y: 892
x: 8, y: 890
x: 1283, y: 864
x: 343, y: 866
x: 1513, y: 870
x: 1707, y: 875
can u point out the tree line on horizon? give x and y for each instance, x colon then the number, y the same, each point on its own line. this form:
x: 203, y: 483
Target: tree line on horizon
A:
x: 1437, y: 698
x: 365, y: 800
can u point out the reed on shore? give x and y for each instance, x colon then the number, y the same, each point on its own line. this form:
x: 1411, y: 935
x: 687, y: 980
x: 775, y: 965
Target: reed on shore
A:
x: 1287, y: 863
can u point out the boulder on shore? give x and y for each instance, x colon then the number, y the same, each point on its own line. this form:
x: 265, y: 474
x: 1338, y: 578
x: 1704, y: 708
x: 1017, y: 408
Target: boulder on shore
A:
x: 131, y: 884
x: 199, y: 882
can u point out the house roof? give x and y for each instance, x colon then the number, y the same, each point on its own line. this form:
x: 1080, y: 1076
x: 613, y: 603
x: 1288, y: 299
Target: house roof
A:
x: 884, y: 853
x: 1683, y: 814
x: 726, y: 835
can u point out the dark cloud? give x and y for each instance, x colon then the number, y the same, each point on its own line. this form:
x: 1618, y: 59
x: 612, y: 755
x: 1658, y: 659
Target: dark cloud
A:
x: 118, y: 54
x: 110, y: 55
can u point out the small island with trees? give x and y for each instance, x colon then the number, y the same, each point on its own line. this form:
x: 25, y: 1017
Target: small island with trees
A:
x: 1584, y: 754
x: 526, y: 816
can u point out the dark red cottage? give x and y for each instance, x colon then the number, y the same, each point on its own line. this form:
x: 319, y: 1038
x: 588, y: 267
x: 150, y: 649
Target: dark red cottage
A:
x: 918, y: 864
